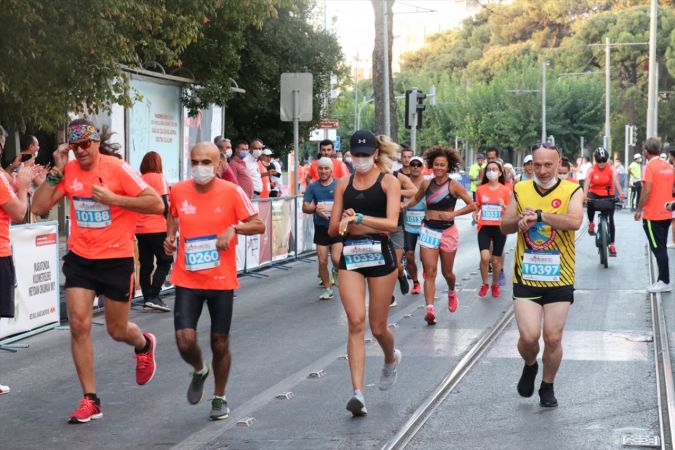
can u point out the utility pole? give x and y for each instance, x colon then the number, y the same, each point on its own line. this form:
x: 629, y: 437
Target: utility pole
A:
x: 606, y: 139
x: 385, y: 58
x: 543, y: 101
x: 651, y: 130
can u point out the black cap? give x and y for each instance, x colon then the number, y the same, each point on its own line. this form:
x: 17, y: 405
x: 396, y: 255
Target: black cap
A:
x: 363, y: 142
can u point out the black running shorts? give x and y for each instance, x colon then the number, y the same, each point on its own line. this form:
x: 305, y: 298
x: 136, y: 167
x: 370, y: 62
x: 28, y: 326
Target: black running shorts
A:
x: 321, y: 236
x: 376, y: 271
x: 7, y: 286
x: 491, y: 233
x: 543, y: 295
x: 410, y: 241
x: 189, y: 303
x: 113, y: 277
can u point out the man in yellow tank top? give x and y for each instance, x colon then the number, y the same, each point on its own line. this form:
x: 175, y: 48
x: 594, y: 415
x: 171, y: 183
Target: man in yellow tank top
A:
x: 545, y: 213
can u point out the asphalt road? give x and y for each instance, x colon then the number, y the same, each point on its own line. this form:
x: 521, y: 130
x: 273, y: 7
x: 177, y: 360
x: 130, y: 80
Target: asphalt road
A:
x: 281, y: 333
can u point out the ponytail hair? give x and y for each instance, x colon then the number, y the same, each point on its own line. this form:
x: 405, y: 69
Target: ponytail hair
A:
x: 386, y: 149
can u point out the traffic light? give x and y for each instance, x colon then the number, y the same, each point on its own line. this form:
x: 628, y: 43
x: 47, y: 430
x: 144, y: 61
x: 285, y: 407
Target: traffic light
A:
x: 414, y: 105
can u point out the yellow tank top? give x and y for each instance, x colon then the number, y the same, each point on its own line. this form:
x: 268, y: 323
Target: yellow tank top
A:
x: 544, y: 256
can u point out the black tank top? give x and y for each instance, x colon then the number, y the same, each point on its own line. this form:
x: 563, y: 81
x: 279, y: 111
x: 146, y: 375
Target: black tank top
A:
x: 369, y: 202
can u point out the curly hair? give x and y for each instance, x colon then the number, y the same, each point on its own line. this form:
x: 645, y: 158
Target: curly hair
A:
x: 501, y: 179
x: 454, y: 159
x: 386, y: 148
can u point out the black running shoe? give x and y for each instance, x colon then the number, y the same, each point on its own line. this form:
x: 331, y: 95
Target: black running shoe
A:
x: 403, y: 284
x: 526, y: 382
x: 546, y: 396
x: 156, y: 303
x: 195, y: 391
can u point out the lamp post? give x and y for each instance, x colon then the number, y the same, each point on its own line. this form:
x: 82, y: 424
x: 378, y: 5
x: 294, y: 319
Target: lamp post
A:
x: 651, y: 130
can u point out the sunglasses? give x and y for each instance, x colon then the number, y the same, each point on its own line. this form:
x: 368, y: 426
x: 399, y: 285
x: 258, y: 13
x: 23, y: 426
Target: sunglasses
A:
x: 415, y: 165
x: 82, y: 144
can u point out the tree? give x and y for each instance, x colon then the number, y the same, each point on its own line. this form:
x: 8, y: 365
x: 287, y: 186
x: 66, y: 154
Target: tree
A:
x: 285, y: 43
x: 378, y: 68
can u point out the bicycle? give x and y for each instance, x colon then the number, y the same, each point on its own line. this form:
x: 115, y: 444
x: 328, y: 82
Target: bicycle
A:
x: 603, y: 206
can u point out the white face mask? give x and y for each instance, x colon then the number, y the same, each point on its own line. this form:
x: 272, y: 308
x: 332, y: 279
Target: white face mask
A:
x: 256, y: 153
x: 202, y: 174
x: 492, y: 175
x: 363, y: 163
x: 546, y: 186
x: 228, y: 153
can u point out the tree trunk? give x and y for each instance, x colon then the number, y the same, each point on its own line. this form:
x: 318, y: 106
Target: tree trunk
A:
x: 378, y: 70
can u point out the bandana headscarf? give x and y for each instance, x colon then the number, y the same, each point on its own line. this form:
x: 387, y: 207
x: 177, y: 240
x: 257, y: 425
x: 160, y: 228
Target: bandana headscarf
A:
x: 81, y: 132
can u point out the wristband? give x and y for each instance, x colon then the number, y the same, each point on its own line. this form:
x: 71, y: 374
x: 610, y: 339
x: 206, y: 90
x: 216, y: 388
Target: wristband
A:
x: 359, y: 218
x: 54, y: 177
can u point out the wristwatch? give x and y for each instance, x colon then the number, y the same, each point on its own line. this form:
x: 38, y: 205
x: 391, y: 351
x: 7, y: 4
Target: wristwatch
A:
x: 539, y: 211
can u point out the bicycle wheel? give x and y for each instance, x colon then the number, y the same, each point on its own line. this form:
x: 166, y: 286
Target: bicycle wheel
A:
x: 603, y: 240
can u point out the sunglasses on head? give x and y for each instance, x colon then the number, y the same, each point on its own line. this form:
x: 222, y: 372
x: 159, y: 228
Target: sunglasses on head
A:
x: 82, y: 144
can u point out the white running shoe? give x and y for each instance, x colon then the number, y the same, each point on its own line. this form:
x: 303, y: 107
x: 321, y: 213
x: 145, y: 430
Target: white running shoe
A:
x: 390, y: 372
x: 4, y: 389
x: 357, y: 405
x: 659, y: 286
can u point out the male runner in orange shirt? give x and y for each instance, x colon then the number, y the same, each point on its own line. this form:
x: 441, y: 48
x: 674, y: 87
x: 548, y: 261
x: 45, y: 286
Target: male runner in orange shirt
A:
x: 105, y: 194
x: 208, y: 211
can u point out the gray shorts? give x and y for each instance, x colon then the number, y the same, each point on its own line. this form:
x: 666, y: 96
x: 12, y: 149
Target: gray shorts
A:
x: 397, y: 238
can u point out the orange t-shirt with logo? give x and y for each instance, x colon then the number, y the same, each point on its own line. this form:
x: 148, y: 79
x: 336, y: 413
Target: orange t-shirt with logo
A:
x: 99, y: 231
x: 487, y: 200
x: 337, y: 169
x: 153, y: 223
x: 6, y: 194
x: 602, y: 182
x: 201, y: 217
x: 661, y: 176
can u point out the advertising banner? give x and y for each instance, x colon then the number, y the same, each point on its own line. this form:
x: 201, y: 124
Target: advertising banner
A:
x: 305, y: 228
x: 154, y: 124
x: 241, y: 253
x: 36, y: 259
x: 282, y: 228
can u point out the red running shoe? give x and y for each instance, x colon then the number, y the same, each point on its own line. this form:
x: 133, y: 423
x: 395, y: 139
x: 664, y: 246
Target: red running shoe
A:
x: 495, y: 290
x: 88, y: 410
x: 416, y: 287
x: 483, y: 290
x: 430, y: 317
x: 453, y: 301
x: 612, y: 250
x: 145, y: 362
x: 591, y: 229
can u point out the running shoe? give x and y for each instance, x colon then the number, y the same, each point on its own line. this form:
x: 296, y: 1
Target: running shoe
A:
x: 546, y: 396
x: 357, y: 405
x: 483, y: 290
x: 453, y: 301
x: 195, y: 391
x: 327, y: 294
x: 612, y: 250
x: 495, y: 291
x: 502, y: 278
x: 430, y: 316
x: 156, y: 303
x: 219, y: 409
x: 659, y: 286
x: 333, y: 276
x: 489, y: 266
x: 416, y: 287
x: 403, y: 284
x: 88, y: 410
x: 393, y: 302
x: 526, y: 383
x: 145, y: 362
x: 4, y: 389
x: 591, y: 229
x: 390, y: 372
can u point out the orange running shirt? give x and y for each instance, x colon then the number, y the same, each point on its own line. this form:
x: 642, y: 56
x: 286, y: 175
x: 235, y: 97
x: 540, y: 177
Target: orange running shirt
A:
x: 601, y: 180
x: 202, y: 217
x: 337, y: 169
x: 487, y: 200
x: 660, y: 174
x: 153, y: 223
x: 6, y: 194
x: 99, y: 231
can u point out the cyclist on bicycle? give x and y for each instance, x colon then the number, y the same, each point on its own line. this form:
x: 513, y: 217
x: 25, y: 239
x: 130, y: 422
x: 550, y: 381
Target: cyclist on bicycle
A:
x: 599, y: 184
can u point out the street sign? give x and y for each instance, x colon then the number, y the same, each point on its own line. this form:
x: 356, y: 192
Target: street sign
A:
x: 328, y: 123
x: 299, y: 84
x: 336, y: 142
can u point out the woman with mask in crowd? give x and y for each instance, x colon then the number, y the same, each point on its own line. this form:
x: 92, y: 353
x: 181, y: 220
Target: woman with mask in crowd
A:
x: 365, y: 211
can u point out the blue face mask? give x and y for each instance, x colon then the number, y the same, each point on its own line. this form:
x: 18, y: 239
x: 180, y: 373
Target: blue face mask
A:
x: 242, y: 154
